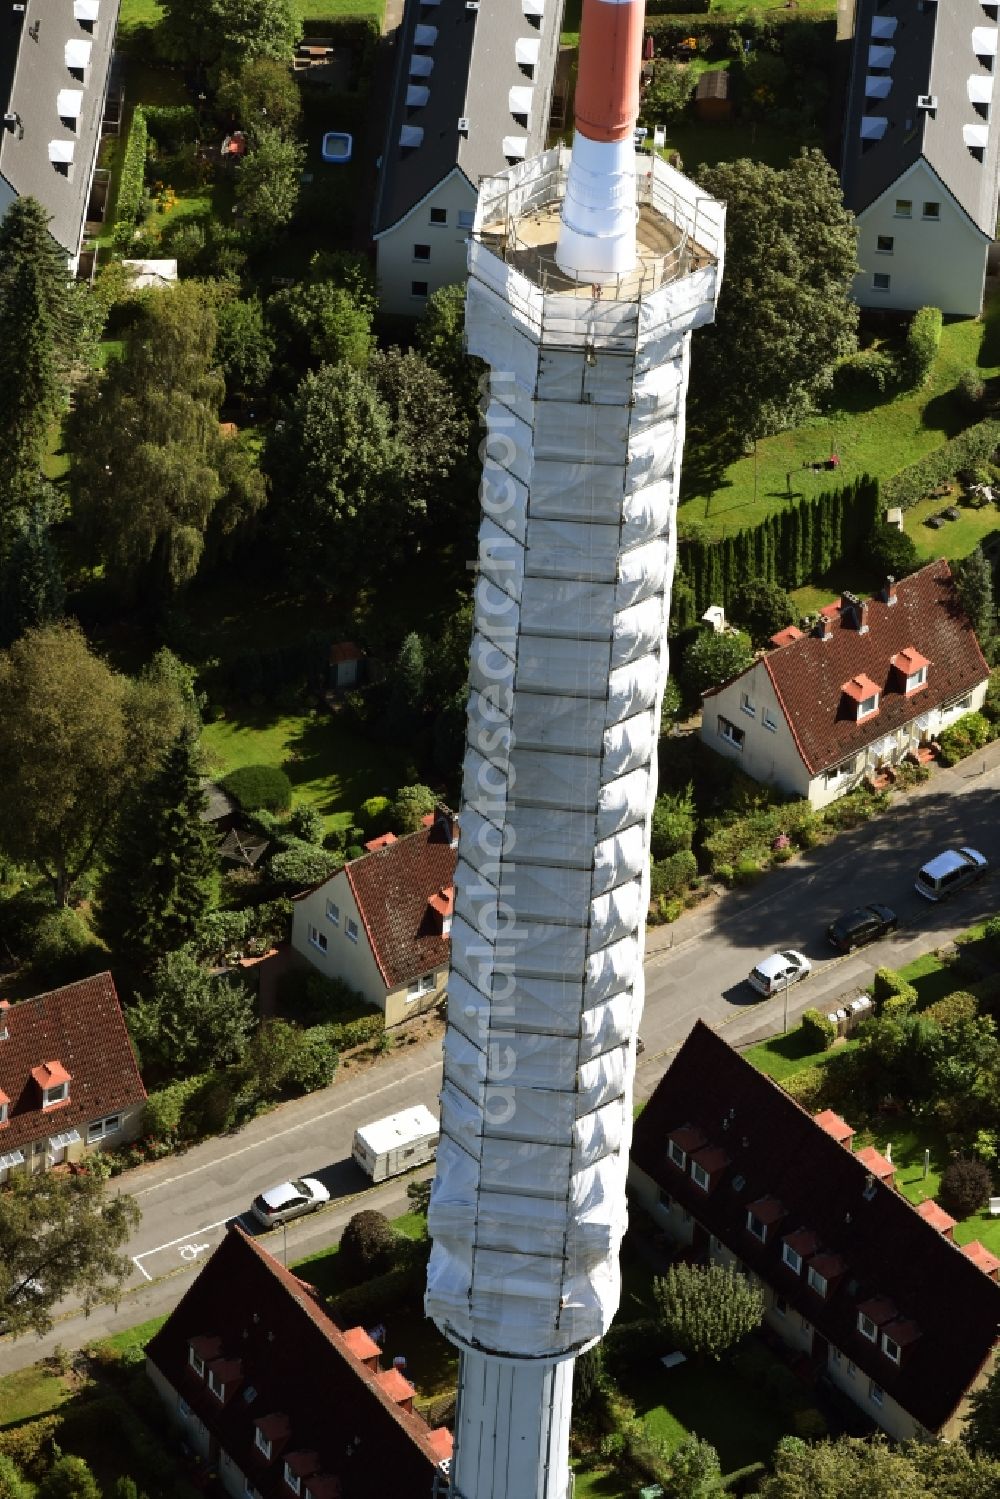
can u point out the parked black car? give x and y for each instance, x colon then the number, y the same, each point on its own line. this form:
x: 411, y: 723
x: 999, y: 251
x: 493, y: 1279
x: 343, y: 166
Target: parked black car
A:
x: 866, y: 924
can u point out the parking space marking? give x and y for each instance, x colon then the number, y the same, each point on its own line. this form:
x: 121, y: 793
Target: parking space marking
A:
x: 189, y: 1249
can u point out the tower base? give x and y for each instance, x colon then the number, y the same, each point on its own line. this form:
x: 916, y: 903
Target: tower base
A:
x: 512, y: 1428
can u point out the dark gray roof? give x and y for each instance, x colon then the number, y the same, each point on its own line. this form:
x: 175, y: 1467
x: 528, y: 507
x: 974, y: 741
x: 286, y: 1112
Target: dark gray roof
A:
x: 473, y: 68
x: 33, y: 71
x: 932, y: 55
x: 218, y: 803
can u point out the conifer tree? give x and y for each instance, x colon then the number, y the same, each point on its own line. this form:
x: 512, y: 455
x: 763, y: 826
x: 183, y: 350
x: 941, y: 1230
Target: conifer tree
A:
x: 157, y: 883
x: 31, y: 584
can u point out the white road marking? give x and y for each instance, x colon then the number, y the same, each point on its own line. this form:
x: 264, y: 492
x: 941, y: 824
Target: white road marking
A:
x: 185, y: 1240
x: 280, y: 1134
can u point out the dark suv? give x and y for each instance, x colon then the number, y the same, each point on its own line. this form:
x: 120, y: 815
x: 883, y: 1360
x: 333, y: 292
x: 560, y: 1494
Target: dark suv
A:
x: 866, y: 924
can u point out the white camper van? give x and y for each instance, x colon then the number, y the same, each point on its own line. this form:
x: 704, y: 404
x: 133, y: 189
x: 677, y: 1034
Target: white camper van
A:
x: 397, y: 1143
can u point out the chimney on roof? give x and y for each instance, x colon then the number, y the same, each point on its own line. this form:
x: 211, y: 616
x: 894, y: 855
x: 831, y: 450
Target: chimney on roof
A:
x: 824, y: 627
x: 445, y: 826
x: 861, y: 615
x: 889, y: 590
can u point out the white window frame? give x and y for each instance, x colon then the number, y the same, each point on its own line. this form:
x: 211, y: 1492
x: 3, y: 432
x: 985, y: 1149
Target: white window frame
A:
x: 865, y: 712
x: 317, y: 939
x: 677, y: 1155
x: 903, y: 208
x: 58, y: 1093
x: 293, y: 1480
x: 729, y: 732
x: 333, y: 913
x: 351, y: 929
x: 4, y: 1110
x: 835, y: 1355
x: 817, y: 1282
x: 876, y: 1394
x: 217, y: 1387
x: 756, y: 1227
x: 261, y: 1442
x: 885, y: 249
x: 700, y: 1176
x: 916, y: 679
x: 196, y: 1362
x: 864, y: 1323
x: 418, y: 987
x: 747, y: 705
x: 887, y: 1345
x: 664, y: 1200
x: 97, y: 1129
x: 769, y: 721
x: 466, y: 218
x: 791, y: 1258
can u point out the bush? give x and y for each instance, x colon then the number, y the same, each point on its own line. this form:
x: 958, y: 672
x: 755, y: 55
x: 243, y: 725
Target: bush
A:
x: 869, y: 372
x: 131, y: 181
x: 368, y: 1245
x: 923, y: 340
x: 357, y: 1032
x: 971, y: 389
x: 256, y: 786
x: 954, y: 1009
x: 966, y: 735
x: 892, y: 551
x: 300, y: 865
x: 314, y: 1063
x: 378, y: 1295
x: 819, y: 1031
x: 673, y: 825
x: 374, y: 816
x: 65, y: 949
x: 887, y: 988
x: 306, y: 994
x: 411, y: 806
x: 165, y: 1108
x: 673, y: 876
x: 965, y: 1187
x: 808, y: 1088
x: 306, y: 824
x: 975, y: 445
x: 29, y: 1445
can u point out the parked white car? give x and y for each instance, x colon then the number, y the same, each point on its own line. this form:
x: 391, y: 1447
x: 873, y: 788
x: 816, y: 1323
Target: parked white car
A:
x: 290, y: 1200
x: 949, y: 872
x: 773, y: 974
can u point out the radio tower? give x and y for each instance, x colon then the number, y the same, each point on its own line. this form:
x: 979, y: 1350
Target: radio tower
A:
x: 588, y: 272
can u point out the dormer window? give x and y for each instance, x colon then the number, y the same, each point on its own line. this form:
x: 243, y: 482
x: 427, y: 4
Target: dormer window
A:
x: 817, y: 1282
x: 53, y: 1081
x: 196, y: 1362
x: 891, y: 1348
x: 293, y: 1480
x: 867, y: 706
x: 867, y: 1328
x: 216, y: 1384
x: 676, y: 1154
x: 756, y: 1227
x: 699, y: 1176
x: 912, y: 667
x: 262, y: 1443
x: 791, y: 1258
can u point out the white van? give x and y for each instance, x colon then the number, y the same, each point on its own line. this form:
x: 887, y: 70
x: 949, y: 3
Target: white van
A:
x: 949, y: 872
x: 397, y: 1143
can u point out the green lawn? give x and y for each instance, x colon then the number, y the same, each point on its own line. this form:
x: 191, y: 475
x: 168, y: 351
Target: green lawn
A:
x: 133, y: 1337
x: 31, y: 1392
x: 148, y: 12
x: 702, y: 143
x: 784, y: 1055
x: 956, y: 538
x: 871, y: 437
x: 330, y: 768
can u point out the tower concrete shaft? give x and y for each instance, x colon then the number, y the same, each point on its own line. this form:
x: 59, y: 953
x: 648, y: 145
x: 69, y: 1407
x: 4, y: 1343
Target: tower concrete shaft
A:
x: 585, y: 426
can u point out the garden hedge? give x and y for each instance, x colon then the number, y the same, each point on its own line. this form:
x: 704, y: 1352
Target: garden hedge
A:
x: 892, y: 994
x: 923, y: 339
x: 256, y: 786
x: 975, y: 445
x: 819, y: 1031
x: 132, y: 181
x: 779, y: 31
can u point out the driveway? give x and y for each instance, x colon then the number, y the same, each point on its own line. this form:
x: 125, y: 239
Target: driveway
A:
x: 694, y: 969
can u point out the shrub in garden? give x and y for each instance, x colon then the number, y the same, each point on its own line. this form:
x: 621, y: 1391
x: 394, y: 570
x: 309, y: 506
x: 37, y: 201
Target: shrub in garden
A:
x: 673, y: 825
x: 357, y: 1032
x: 411, y: 806
x: 305, y: 823
x: 374, y: 816
x: 368, y: 1246
x: 131, y: 181
x: 675, y: 875
x: 819, y: 1031
x: 64, y: 949
x: 975, y: 445
x: 953, y: 1009
x: 966, y: 735
x: 164, y: 1109
x: 300, y: 865
x: 69, y: 1478
x: 965, y: 1187
x: 29, y: 1445
x: 869, y: 372
x: 923, y: 340
x: 705, y: 1309
x: 892, y: 551
x: 314, y: 1063
x: 256, y: 786
x: 971, y: 389
x: 306, y: 994
x: 12, y: 1485
x: 892, y: 994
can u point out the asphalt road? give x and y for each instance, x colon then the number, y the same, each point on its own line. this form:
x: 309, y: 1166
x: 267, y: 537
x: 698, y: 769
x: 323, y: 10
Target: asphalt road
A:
x: 694, y: 968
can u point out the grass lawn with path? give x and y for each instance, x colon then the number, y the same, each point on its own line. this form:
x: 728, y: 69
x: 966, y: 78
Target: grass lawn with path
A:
x: 135, y: 13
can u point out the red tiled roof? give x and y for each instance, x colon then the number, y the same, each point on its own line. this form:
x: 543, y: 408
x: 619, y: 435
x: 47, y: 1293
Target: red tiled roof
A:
x: 74, y: 1034
x: 442, y: 1441
x: 981, y: 1256
x: 767, y: 1209
x: 936, y: 1216
x: 710, y: 1158
x: 828, y: 1265
x: 688, y: 1138
x: 809, y: 674
x: 396, y: 1386
x: 878, y: 1165
x: 909, y: 660
x: 803, y: 1241
x: 837, y: 1128
x: 786, y: 636
x: 879, y: 1310
x: 392, y: 887
x: 860, y: 687
x: 303, y: 1376
x: 360, y: 1344
x: 383, y: 842
x: 891, y: 1253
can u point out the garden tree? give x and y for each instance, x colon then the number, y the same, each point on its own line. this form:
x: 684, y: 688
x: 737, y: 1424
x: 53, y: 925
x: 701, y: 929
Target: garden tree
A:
x: 694, y: 1470
x: 668, y: 93
x: 126, y: 1488
x: 262, y: 88
x: 368, y: 1245
x: 671, y: 706
x: 271, y: 1056
x: 705, y: 1309
x: 244, y: 346
x: 325, y: 319
x: 40, y: 332
x: 12, y: 1484
x: 223, y: 34
x: 418, y: 1195
x: 440, y: 336
x: 306, y: 823
x: 192, y: 1020
x: 981, y: 1434
x: 785, y: 314
x: 889, y: 551
x: 974, y: 585
x: 430, y: 427
x: 965, y: 1186
x: 148, y: 463
x: 761, y: 608
x: 267, y: 187
x: 674, y: 822
x: 31, y: 584
x: 160, y: 867
x: 69, y: 1478
x: 60, y: 1236
x: 411, y: 806
x: 407, y: 688
x: 300, y: 864
x: 336, y: 472
x: 853, y: 1468
x: 713, y: 659
x: 76, y: 738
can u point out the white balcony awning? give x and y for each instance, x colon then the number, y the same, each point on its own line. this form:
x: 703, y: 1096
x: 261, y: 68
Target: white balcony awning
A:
x: 884, y: 26
x: 526, y: 51
x: 515, y: 145
x: 425, y: 36
x: 981, y: 88
x: 977, y: 136
x: 60, y: 1142
x: 984, y: 41
x: 85, y: 10
x: 11, y: 1159
x: 61, y: 150
x: 873, y: 127
x: 881, y: 57
x: 420, y: 66
x: 877, y: 86
x: 69, y: 103
x: 417, y: 95
x: 519, y: 100
x: 411, y: 135
x: 533, y: 7
x: 78, y: 54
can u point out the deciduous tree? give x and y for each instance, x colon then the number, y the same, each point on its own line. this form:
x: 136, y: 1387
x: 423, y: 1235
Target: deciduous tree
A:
x: 852, y: 1468
x: 222, y: 34
x: 192, y: 1020
x: 761, y: 608
x: 60, y: 1236
x: 974, y: 585
x: 267, y: 188
x: 713, y: 659
x: 705, y: 1309
x: 262, y: 88
x: 69, y: 1478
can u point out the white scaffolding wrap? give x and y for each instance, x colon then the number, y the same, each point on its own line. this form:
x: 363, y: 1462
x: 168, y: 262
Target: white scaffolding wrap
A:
x: 568, y: 664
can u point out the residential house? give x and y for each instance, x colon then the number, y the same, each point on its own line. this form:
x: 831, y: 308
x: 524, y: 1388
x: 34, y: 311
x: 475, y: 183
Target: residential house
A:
x: 382, y: 923
x: 68, y: 1077
x: 55, y: 60
x: 869, y: 1289
x: 921, y: 152
x: 472, y: 94
x: 266, y: 1387
x: 875, y: 680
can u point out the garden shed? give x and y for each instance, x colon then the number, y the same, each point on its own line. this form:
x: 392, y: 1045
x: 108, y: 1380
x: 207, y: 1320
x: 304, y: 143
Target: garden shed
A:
x: 712, y: 101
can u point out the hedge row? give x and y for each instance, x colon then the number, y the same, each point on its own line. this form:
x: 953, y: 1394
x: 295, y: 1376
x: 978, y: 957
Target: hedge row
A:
x: 789, y: 547
x: 689, y: 8
x: 975, y: 445
x: 132, y: 180
x: 923, y: 339
x: 778, y: 31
